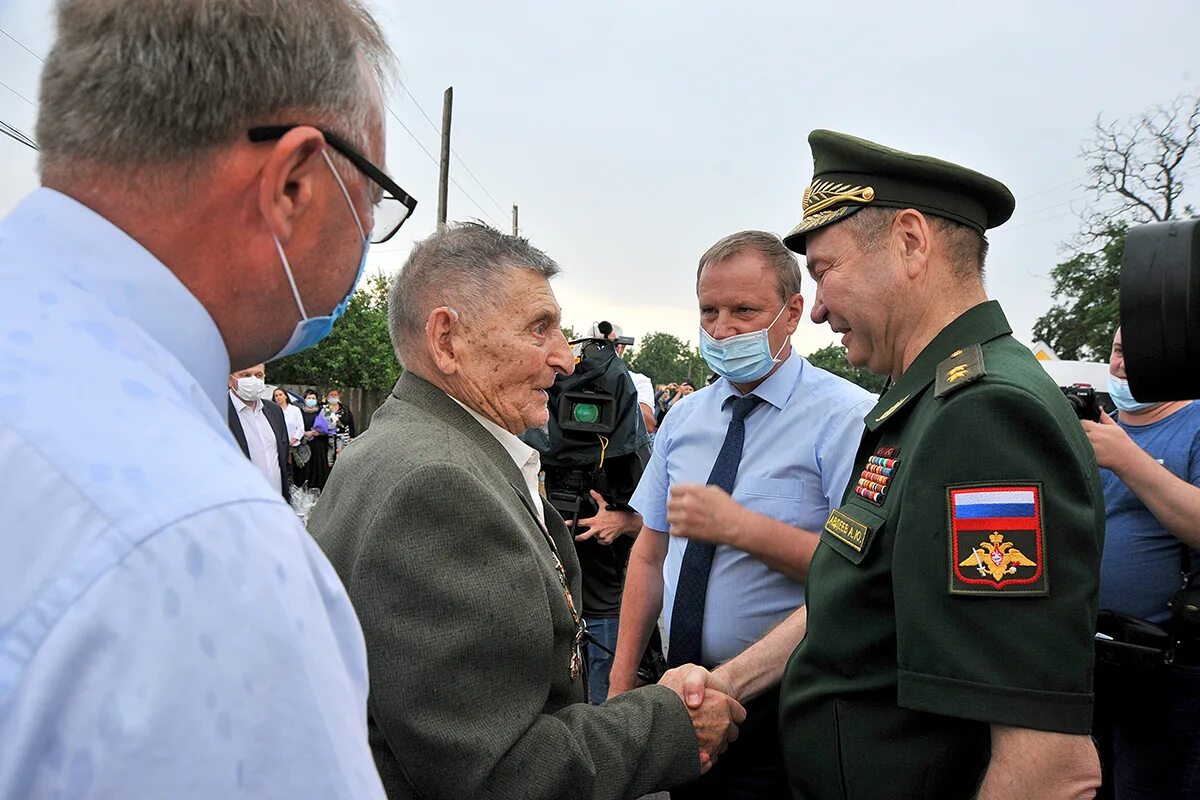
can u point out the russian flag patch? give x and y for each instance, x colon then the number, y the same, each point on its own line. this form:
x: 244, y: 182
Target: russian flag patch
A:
x: 997, y: 545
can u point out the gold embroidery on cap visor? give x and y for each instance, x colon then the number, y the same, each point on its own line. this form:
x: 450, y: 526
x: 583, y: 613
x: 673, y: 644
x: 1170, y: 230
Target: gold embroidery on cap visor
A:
x: 820, y: 195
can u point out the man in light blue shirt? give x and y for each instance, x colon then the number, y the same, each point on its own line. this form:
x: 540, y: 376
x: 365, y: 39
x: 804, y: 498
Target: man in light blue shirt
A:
x: 799, y: 444
x: 167, y: 627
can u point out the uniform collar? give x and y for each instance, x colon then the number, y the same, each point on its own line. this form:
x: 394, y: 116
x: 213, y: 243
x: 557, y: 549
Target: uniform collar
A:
x: 976, y: 325
x: 776, y: 389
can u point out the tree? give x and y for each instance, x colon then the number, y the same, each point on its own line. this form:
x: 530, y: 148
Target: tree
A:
x: 1136, y: 173
x: 1082, y: 329
x: 833, y: 359
x: 358, y: 352
x: 660, y: 356
x: 1136, y: 168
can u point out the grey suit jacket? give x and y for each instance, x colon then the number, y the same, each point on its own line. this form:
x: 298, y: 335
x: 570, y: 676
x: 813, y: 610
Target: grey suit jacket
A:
x: 430, y: 526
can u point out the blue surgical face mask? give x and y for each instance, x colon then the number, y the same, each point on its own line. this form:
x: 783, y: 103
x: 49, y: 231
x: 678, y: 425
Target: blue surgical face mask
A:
x: 311, y: 402
x: 310, y: 330
x: 743, y: 358
x: 1118, y: 390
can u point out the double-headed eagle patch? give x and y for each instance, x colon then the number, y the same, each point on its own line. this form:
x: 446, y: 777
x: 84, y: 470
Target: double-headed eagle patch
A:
x: 996, y: 540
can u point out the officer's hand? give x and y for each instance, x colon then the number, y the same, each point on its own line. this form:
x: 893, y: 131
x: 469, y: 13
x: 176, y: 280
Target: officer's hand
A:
x: 716, y: 722
x: 1110, y: 441
x: 608, y: 523
x: 690, y: 682
x: 703, y: 513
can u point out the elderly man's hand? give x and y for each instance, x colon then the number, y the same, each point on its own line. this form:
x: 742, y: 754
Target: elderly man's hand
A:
x: 609, y: 523
x: 1112, y: 444
x: 715, y: 714
x: 703, y: 513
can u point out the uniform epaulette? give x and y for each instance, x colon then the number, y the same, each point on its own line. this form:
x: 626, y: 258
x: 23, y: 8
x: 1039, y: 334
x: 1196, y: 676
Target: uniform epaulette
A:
x: 963, y: 367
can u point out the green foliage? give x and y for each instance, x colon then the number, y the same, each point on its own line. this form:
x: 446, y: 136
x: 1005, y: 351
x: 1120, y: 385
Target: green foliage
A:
x: 665, y: 358
x: 833, y: 359
x: 357, y: 353
x: 1080, y: 325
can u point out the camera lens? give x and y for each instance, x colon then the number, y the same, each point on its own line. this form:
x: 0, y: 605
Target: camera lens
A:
x: 586, y: 413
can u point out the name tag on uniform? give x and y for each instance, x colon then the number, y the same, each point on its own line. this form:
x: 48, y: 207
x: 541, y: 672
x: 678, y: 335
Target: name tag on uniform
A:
x: 847, y: 529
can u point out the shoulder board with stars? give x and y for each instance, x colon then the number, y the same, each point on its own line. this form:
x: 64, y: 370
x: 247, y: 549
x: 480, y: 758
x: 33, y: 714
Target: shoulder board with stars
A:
x: 962, y: 368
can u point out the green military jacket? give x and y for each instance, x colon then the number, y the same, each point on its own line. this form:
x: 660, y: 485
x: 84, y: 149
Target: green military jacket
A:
x: 956, y: 584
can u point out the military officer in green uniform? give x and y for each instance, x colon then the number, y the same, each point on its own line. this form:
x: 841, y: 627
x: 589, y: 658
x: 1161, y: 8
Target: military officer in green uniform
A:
x: 947, y: 641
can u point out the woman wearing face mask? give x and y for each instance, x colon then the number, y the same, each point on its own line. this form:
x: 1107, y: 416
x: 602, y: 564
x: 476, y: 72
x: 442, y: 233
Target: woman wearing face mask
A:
x: 316, y: 435
x: 341, y: 420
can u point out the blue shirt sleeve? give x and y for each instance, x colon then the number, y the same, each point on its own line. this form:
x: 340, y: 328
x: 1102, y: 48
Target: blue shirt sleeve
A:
x: 219, y: 658
x: 650, y: 497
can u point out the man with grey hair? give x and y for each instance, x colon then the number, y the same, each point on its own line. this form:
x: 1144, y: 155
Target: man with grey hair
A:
x: 209, y: 187
x: 773, y: 440
x: 936, y: 656
x: 464, y: 578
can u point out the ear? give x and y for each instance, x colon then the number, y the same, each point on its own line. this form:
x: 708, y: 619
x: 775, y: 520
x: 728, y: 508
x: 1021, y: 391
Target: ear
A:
x: 910, y: 233
x: 287, y: 179
x: 441, y: 339
x: 795, y: 310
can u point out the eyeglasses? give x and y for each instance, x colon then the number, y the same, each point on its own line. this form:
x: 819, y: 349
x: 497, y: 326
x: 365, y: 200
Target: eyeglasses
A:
x: 394, y: 207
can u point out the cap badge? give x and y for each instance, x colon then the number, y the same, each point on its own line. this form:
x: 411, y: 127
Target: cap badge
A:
x: 821, y: 195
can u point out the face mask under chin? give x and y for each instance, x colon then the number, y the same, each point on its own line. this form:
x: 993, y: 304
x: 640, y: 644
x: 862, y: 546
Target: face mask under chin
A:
x: 310, y: 330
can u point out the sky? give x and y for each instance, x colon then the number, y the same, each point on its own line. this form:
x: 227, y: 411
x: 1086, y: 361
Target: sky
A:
x: 633, y: 135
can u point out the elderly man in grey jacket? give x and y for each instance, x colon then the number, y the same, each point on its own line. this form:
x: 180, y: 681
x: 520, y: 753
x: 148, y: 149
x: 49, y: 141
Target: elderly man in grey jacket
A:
x: 464, y: 579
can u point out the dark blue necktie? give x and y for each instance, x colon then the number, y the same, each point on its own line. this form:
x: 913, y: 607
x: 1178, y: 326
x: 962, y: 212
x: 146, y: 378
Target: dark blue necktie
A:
x: 687, y: 613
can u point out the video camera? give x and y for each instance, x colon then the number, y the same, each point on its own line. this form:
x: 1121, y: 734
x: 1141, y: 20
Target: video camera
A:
x: 596, y: 438
x: 590, y: 409
x: 1160, y: 310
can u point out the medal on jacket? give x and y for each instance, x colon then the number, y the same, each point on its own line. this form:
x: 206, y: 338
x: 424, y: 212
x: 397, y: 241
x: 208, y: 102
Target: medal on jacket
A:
x: 576, y: 663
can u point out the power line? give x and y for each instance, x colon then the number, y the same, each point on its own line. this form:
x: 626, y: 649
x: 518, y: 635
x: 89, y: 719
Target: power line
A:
x: 23, y: 47
x: 16, y: 134
x: 19, y: 134
x: 461, y: 161
x: 413, y: 135
x: 435, y: 161
x: 32, y: 104
x: 1063, y: 185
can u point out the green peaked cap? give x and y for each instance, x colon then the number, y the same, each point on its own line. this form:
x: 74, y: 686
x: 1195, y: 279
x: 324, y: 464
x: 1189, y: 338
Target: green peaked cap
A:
x: 850, y: 174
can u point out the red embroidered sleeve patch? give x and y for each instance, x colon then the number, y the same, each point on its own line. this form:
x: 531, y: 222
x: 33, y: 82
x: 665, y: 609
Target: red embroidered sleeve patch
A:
x: 997, y: 545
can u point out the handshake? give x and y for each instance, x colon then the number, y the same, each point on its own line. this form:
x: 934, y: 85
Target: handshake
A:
x: 709, y: 700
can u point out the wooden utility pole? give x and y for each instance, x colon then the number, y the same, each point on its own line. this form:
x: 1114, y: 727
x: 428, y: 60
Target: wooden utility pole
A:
x: 444, y: 175
x: 515, y: 228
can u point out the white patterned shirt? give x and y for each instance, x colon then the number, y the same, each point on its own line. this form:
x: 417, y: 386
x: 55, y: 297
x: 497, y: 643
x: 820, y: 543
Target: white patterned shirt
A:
x: 167, y: 627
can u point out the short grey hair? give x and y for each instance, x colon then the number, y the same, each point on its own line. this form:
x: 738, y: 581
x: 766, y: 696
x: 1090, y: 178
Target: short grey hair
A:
x: 157, y: 82
x: 781, y: 260
x: 463, y: 266
x: 966, y: 248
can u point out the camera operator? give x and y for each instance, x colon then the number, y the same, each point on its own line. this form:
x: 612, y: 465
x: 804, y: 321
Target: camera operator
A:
x: 592, y: 464
x: 645, y: 389
x: 1148, y: 725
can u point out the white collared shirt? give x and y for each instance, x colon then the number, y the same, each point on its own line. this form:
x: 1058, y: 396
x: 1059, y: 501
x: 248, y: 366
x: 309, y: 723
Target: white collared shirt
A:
x: 525, y: 457
x: 260, y: 438
x: 295, y: 422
